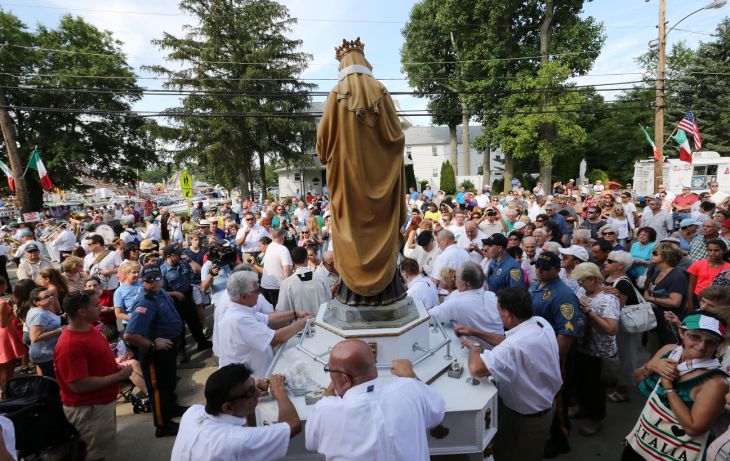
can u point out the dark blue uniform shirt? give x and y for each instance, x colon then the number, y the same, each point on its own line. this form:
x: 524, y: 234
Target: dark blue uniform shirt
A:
x: 176, y: 278
x: 504, y: 274
x: 556, y: 303
x: 154, y: 316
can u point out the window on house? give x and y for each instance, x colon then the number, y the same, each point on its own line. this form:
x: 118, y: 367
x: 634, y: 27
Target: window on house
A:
x: 297, y: 176
x: 435, y: 151
x: 435, y: 172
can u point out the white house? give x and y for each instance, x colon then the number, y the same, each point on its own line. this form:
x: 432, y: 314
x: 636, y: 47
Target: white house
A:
x: 426, y: 148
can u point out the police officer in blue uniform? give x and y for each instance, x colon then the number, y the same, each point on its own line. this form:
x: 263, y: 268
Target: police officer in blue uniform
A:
x: 153, y: 331
x: 177, y: 281
x: 504, y: 271
x: 554, y: 301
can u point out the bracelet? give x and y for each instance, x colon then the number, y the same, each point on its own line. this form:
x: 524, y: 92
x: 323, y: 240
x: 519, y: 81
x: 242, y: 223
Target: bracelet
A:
x: 669, y: 391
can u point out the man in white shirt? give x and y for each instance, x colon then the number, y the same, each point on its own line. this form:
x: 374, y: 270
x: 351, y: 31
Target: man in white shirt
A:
x: 102, y: 263
x: 419, y: 286
x: 630, y: 208
x: 492, y: 222
x: 327, y: 273
x: 218, y: 430
x: 65, y: 241
x: 32, y: 264
x: 529, y: 254
x: 248, y: 236
x: 451, y: 255
x: 426, y: 251
x: 457, y: 227
x: 302, y: 291
x: 277, y: 266
x: 130, y: 234
x: 653, y: 216
x: 152, y: 232
x: 362, y: 418
x: 525, y: 365
x: 717, y: 196
x: 471, y: 306
x: 244, y: 336
x: 26, y: 238
x: 301, y: 212
x: 471, y: 242
x: 572, y: 256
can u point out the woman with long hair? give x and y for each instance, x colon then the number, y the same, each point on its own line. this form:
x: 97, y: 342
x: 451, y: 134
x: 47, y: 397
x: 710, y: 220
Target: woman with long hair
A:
x: 666, y: 288
x: 703, y: 272
x: 623, y: 225
x: 53, y: 280
x: 22, y: 302
x: 11, y: 340
x: 44, y: 327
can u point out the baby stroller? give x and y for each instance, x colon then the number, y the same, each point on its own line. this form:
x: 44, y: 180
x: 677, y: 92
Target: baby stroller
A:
x: 33, y: 404
x: 126, y: 391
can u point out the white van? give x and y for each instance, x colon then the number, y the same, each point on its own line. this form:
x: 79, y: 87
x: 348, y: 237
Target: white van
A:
x: 705, y: 168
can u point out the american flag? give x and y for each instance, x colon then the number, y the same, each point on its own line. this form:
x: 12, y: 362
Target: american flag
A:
x: 689, y: 125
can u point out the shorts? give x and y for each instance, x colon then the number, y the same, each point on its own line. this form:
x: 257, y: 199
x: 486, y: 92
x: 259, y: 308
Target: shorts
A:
x: 97, y: 426
x: 199, y: 297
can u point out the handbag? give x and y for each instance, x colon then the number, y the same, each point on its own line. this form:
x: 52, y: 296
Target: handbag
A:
x: 637, y: 318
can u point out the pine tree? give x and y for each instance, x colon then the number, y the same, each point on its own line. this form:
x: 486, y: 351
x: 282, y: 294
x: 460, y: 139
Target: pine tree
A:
x: 448, y: 179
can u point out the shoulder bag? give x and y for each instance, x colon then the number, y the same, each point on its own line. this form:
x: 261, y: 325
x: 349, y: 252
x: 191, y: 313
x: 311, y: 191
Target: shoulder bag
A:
x: 637, y: 318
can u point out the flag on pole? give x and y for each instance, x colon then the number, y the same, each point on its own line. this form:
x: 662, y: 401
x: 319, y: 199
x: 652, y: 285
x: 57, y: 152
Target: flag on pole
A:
x: 685, y: 152
x: 9, y: 174
x: 690, y: 126
x: 651, y: 141
x: 36, y: 163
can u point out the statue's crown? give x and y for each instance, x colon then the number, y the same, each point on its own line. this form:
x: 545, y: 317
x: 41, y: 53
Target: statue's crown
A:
x: 348, y: 46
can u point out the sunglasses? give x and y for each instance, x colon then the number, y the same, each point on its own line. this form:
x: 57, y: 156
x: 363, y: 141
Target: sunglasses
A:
x: 245, y: 396
x: 610, y: 261
x: 249, y: 219
x: 609, y: 233
x: 152, y: 279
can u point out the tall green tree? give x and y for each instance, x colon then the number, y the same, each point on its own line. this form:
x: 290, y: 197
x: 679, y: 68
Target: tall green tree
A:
x: 81, y: 126
x: 238, y: 59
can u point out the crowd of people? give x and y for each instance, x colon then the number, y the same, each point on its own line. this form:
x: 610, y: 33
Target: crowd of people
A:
x: 537, y: 286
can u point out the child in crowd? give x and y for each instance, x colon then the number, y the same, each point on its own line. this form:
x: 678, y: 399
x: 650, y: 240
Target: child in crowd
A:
x: 123, y: 356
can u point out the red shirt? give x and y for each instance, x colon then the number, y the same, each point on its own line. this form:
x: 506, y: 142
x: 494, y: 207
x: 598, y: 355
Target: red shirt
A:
x: 705, y: 273
x: 685, y: 201
x: 80, y: 354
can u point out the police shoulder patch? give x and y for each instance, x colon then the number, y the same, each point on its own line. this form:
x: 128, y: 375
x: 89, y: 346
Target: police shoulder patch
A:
x: 140, y: 310
x: 567, y: 310
x: 516, y: 274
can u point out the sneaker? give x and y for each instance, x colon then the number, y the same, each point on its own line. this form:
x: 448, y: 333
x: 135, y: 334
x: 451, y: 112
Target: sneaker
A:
x: 167, y: 430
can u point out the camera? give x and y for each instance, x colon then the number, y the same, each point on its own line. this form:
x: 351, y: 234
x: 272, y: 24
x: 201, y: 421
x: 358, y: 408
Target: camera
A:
x: 491, y: 212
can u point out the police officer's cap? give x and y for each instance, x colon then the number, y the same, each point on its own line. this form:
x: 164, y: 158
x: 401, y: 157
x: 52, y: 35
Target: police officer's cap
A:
x: 171, y: 250
x: 496, y: 239
x: 547, y: 260
x: 149, y: 272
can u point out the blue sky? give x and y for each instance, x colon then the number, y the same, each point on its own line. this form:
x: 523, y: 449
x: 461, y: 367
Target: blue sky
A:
x: 630, y: 25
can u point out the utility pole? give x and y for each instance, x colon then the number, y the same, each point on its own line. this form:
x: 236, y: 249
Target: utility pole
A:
x: 16, y: 165
x: 659, y: 116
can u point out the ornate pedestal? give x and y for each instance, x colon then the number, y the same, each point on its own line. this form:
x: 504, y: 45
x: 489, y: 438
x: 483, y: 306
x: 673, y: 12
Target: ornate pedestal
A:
x: 471, y: 408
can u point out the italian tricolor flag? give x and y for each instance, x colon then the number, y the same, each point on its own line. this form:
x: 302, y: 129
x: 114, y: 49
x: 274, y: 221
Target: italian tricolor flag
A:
x: 36, y: 163
x: 9, y: 174
x: 685, y: 152
x: 653, y: 147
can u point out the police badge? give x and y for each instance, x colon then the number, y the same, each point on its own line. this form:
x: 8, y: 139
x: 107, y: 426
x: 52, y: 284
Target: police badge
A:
x: 567, y: 310
x: 516, y: 274
x: 547, y: 295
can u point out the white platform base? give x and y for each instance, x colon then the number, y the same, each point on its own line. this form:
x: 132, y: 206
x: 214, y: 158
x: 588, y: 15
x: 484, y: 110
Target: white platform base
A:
x: 471, y: 410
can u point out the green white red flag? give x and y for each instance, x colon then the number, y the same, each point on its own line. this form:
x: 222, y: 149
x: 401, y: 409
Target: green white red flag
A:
x: 9, y: 174
x: 36, y: 163
x: 653, y: 147
x: 685, y: 152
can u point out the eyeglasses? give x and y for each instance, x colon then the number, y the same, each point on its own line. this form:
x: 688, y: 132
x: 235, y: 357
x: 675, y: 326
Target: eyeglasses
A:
x: 610, y: 261
x: 327, y: 369
x: 698, y: 338
x: 250, y: 219
x: 609, y: 233
x: 152, y: 279
x: 43, y: 298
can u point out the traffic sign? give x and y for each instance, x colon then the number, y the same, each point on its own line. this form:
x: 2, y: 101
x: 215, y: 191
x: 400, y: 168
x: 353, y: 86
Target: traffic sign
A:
x: 187, y: 193
x: 186, y: 181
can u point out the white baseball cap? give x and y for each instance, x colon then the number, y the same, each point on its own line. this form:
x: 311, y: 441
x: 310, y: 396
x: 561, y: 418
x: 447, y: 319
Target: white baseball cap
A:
x: 576, y: 251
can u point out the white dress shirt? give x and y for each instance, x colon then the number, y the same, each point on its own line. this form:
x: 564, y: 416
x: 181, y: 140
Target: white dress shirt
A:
x: 222, y: 302
x: 464, y: 243
x: 472, y: 308
x: 458, y: 231
x: 302, y: 291
x: 423, y: 289
x: 453, y: 257
x: 718, y: 197
x: 244, y: 337
x: 251, y: 244
x: 526, y: 366
x: 65, y: 241
x: 376, y: 421
x: 152, y: 232
x: 426, y: 258
x: 327, y: 277
x: 204, y: 437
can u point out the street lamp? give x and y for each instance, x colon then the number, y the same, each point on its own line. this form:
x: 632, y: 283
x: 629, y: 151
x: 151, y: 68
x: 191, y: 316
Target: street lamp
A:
x: 661, y: 65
